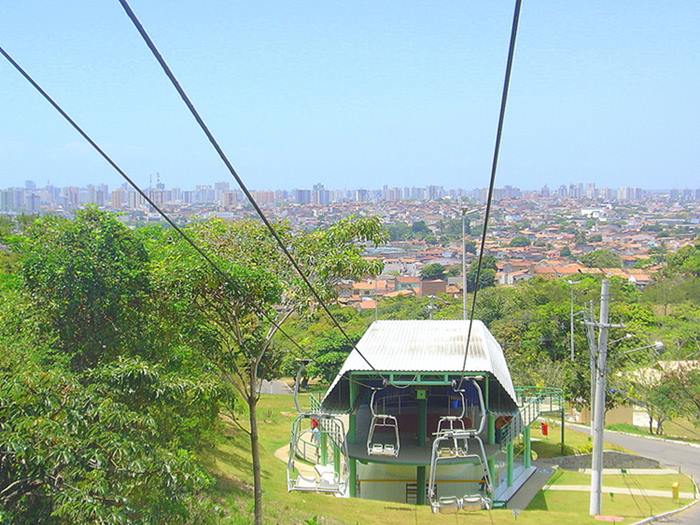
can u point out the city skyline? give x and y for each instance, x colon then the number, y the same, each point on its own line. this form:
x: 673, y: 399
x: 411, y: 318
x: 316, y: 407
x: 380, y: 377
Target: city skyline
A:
x: 398, y: 93
x: 224, y: 196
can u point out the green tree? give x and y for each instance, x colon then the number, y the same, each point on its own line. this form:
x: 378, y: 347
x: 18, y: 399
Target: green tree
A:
x: 98, y: 425
x: 488, y: 273
x: 229, y: 313
x: 432, y: 271
x: 565, y: 252
x: 601, y: 259
x: 519, y: 241
x: 90, y: 278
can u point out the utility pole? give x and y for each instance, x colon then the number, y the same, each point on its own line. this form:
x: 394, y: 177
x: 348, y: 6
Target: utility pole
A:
x: 599, y: 418
x: 598, y: 408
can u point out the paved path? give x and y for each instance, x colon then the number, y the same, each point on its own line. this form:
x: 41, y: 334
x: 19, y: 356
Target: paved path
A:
x: 668, y: 454
x: 274, y: 387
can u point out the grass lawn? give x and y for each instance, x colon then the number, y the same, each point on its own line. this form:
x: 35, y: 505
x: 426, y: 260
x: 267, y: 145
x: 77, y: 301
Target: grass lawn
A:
x: 574, y: 442
x: 229, y: 463
x: 680, y: 431
x: 632, y: 508
x: 651, y: 482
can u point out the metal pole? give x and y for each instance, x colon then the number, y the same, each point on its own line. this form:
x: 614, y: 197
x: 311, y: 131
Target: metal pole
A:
x: 571, y: 321
x: 599, y: 419
x: 376, y: 299
x: 464, y: 265
x: 593, y: 354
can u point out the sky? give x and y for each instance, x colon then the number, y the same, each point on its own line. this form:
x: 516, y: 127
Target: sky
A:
x: 356, y: 94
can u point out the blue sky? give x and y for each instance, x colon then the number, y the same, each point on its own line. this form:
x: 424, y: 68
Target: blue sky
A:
x: 358, y: 93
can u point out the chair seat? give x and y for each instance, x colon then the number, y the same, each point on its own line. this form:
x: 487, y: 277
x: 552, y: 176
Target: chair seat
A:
x: 447, y: 505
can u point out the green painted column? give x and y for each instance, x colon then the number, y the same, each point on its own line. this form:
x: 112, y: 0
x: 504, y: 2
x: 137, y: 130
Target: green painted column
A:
x: 336, y: 458
x: 421, y: 397
x: 490, y: 420
x: 352, y: 434
x: 492, y: 471
x: 527, y: 452
x: 562, y: 428
x: 352, y: 475
x: 352, y: 420
x: 323, y: 445
x: 420, y: 485
x: 509, y: 464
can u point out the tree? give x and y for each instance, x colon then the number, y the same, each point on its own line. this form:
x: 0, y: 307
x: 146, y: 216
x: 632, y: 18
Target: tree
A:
x: 596, y: 237
x: 488, y: 273
x: 565, y: 252
x: 100, y: 411
x: 519, y: 241
x: 432, y: 271
x: 90, y: 278
x: 229, y: 312
x: 601, y: 259
x: 470, y: 247
x: 653, y: 389
x: 454, y: 271
x: 419, y: 228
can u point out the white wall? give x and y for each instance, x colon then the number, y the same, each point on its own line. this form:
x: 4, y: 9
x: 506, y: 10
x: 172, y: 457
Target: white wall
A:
x: 388, y: 482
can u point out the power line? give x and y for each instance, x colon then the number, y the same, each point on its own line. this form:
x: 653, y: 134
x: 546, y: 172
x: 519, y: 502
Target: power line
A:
x: 212, y: 140
x: 492, y: 181
x: 128, y: 179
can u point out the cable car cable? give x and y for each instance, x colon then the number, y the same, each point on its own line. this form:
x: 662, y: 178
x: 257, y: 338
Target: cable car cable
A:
x: 492, y: 180
x: 130, y: 181
x: 212, y: 140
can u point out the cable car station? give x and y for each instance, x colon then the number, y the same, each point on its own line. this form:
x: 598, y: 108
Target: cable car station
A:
x: 424, y: 422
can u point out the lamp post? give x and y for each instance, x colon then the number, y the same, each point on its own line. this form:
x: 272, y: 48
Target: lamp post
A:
x: 465, y: 212
x: 571, y: 316
x: 656, y: 345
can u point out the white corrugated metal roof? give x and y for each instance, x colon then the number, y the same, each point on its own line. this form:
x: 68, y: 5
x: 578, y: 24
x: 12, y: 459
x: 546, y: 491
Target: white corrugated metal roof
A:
x: 428, y: 346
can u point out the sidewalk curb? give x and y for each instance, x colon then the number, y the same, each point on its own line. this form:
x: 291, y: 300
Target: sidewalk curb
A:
x: 652, y: 519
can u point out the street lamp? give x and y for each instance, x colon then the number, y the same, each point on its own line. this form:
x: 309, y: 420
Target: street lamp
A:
x: 656, y: 345
x: 465, y: 212
x: 571, y: 318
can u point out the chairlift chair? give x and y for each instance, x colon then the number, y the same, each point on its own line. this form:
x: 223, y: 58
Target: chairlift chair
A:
x: 451, y: 432
x: 382, y: 422
x: 441, y: 454
x: 314, y: 475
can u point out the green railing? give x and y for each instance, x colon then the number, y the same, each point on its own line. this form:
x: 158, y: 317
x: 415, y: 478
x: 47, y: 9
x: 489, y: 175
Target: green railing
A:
x: 532, y: 402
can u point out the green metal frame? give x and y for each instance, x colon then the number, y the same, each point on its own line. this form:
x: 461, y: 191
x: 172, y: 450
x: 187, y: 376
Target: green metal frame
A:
x: 417, y: 379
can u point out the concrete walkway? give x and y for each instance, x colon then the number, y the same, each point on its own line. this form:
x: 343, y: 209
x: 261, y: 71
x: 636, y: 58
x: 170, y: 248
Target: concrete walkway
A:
x: 274, y: 387
x: 525, y: 494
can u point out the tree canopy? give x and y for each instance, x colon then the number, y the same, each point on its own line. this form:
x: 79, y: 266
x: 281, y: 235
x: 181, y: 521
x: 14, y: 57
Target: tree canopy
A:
x: 602, y: 259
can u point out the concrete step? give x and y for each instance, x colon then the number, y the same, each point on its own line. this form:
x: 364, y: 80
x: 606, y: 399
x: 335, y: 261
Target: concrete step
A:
x: 522, y: 498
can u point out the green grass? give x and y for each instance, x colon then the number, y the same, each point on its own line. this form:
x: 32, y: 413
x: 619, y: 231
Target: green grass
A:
x: 632, y: 508
x: 229, y: 463
x: 672, y: 430
x: 574, y: 442
x: 650, y: 482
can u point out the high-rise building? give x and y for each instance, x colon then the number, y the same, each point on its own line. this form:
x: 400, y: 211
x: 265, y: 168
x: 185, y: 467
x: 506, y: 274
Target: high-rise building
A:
x: 320, y: 194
